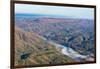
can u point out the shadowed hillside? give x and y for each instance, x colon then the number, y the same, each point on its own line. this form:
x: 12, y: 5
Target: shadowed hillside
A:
x: 31, y: 49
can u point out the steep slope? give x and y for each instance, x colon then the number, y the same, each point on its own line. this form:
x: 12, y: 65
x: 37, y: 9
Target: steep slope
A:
x: 32, y: 49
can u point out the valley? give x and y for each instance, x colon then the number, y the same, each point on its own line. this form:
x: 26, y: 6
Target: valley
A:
x: 50, y: 40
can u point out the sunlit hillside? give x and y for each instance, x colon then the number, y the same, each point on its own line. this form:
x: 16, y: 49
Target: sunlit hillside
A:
x: 32, y: 49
